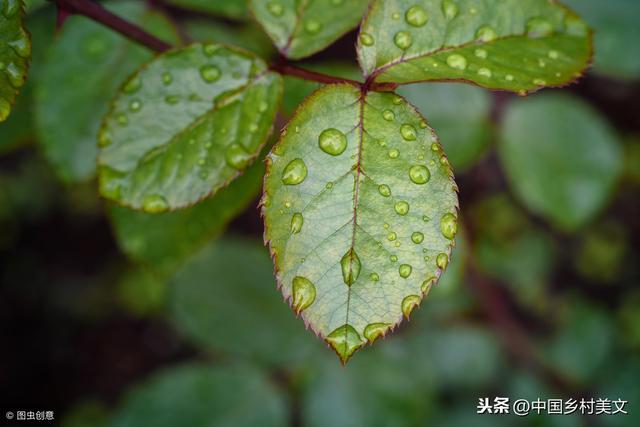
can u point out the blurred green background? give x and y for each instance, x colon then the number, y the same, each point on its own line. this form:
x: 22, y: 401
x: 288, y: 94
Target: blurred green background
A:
x: 114, y: 318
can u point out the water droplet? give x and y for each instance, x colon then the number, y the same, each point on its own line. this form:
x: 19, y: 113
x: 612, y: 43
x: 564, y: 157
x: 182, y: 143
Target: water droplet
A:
x: 155, y: 204
x: 395, y: 15
x: 171, y: 99
x: 210, y: 73
x: 416, y: 16
x: 237, y: 157
x: 296, y: 223
x: 275, y: 8
x: 384, y: 190
x: 553, y: 54
x: 449, y: 225
x: 396, y: 99
x: 404, y: 270
x: 210, y: 49
x: 508, y: 78
x: 122, y: 119
x: 417, y: 237
x: 167, y: 78
x: 426, y: 285
x: 409, y: 303
x: 336, y: 2
x: 332, y: 141
x: 442, y: 260
x: 304, y: 293
x: 457, y: 61
x: 373, y: 331
x: 104, y: 139
x: 21, y: 45
x: 132, y: 85
x: 295, y: 172
x: 435, y: 147
x: 575, y: 26
x: 397, y: 244
x: 350, y: 264
x: 419, y: 174
x: 10, y: 8
x: 403, y: 39
x: 486, y: 34
x: 366, y: 39
x: 485, y: 72
x: 539, y: 27
x: 423, y: 124
x: 312, y: 26
x: 386, y: 226
x: 345, y: 341
x: 408, y: 132
x: 393, y: 153
x: 201, y: 162
x: 426, y: 218
x: 393, y: 258
x: 263, y: 107
x: 481, y: 53
x: 402, y: 207
x: 450, y: 9
x: 329, y: 185
x: 392, y: 236
x: 135, y: 105
x: 253, y: 128
x: 388, y: 115
x: 539, y: 82
x: 374, y: 277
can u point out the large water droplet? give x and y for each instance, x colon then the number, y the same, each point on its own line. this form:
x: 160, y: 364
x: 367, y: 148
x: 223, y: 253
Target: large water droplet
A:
x: 408, y: 132
x: 409, y: 303
x: 457, y: 61
x: 210, y: 73
x: 404, y: 270
x: 416, y: 16
x: 384, y: 190
x: 403, y: 39
x: 312, y: 26
x: 442, y: 260
x: 345, y: 341
x: 296, y: 223
x: 388, y: 115
x: 486, y: 34
x: 419, y: 174
x: 350, y: 264
x: 332, y: 141
x: 539, y: 27
x: 155, y: 204
x: 275, y: 8
x: 449, y: 225
x: 450, y: 9
x: 417, y: 237
x: 366, y: 39
x: 402, y: 207
x: 237, y: 157
x: 373, y: 331
x: 304, y: 293
x: 481, y: 53
x: 295, y: 172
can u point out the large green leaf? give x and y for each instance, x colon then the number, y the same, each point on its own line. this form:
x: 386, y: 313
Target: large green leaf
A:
x: 204, y: 396
x: 15, y: 51
x: 516, y: 45
x: 164, y: 241
x: 225, y: 300
x: 230, y: 8
x: 84, y: 66
x: 185, y: 125
x: 300, y: 28
x: 361, y: 210
x: 561, y: 157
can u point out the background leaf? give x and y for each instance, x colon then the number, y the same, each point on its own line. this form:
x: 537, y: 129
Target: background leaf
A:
x: 236, y: 9
x: 84, y: 66
x: 516, y: 45
x: 561, y: 171
x: 360, y: 211
x: 245, y: 35
x: 300, y: 28
x: 15, y: 51
x: 185, y: 125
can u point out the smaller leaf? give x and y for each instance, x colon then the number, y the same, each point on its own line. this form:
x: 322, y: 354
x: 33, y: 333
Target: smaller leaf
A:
x: 302, y: 28
x: 185, y: 125
x: 15, y: 52
x: 236, y: 9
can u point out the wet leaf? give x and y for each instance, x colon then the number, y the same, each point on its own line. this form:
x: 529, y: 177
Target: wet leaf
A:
x: 360, y: 213
x: 563, y: 172
x: 204, y: 396
x: 236, y: 9
x: 185, y: 125
x: 15, y: 52
x: 84, y: 66
x: 515, y: 45
x: 164, y: 241
x: 302, y: 28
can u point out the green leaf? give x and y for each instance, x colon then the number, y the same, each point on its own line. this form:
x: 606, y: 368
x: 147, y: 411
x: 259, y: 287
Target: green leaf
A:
x: 225, y: 300
x: 300, y: 28
x: 617, y: 51
x: 84, y: 66
x: 460, y: 114
x: 360, y: 213
x: 15, y: 51
x: 164, y: 241
x: 204, y: 396
x: 236, y: 9
x: 141, y: 293
x: 185, y: 125
x: 515, y: 45
x: 561, y: 157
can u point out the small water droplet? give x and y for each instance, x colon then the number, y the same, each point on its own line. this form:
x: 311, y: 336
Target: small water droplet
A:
x: 155, y: 204
x: 171, y: 99
x: 485, y: 72
x: 423, y: 124
x: 132, y: 85
x: 392, y: 236
x: 394, y: 153
x: 384, y: 190
x: 481, y: 53
x: 388, y: 115
x: 312, y: 26
x: 332, y: 141
x: 295, y: 172
x: 135, y: 105
x: 435, y: 147
x: 366, y: 39
x: 426, y: 218
x: 237, y: 157
x: 104, y: 139
x: 393, y: 258
x: 442, y: 260
x: 402, y: 207
x: 508, y: 78
x: 486, y: 34
x: 395, y: 15
x: 539, y: 27
x: 408, y: 132
x: 210, y: 49
x: 553, y: 54
x: 416, y: 16
x: 122, y: 119
x: 373, y: 331
x: 457, y: 61
x: 304, y: 293
x: 450, y: 9
x: 329, y: 185
x: 404, y: 270
x: 374, y: 277
x: 275, y: 8
x: 409, y: 303
x: 210, y: 73
x: 539, y: 82
x: 297, y: 220
x: 350, y: 264
x: 167, y: 78
x: 419, y: 174
x: 403, y: 39
x: 396, y: 99
x: 417, y: 237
